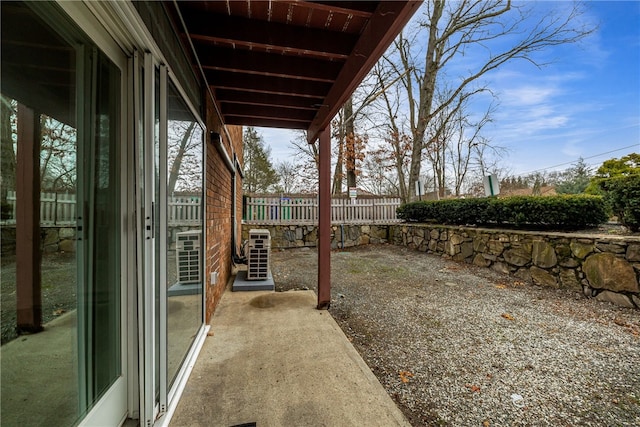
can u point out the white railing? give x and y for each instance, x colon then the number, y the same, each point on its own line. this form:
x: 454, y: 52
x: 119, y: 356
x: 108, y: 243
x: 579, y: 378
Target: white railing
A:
x: 59, y: 209
x: 184, y: 210
x: 304, y: 210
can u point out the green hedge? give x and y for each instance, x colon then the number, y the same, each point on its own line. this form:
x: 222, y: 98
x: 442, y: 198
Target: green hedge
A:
x: 622, y: 195
x: 558, y: 212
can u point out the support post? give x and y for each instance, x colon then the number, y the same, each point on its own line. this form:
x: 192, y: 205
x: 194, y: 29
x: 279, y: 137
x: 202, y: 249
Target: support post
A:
x: 28, y: 287
x: 324, y: 222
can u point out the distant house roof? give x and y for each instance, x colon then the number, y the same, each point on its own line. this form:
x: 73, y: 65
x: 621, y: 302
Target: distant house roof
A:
x: 547, y: 190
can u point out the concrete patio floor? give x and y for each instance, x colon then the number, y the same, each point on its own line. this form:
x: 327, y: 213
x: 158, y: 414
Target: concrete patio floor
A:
x: 274, y: 360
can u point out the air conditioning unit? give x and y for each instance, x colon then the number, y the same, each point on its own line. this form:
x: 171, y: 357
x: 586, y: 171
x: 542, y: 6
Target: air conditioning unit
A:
x: 258, y: 257
x: 188, y: 256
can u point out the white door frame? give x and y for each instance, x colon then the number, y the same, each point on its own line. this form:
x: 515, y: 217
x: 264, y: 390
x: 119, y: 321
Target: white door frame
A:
x: 126, y: 32
x: 111, y: 409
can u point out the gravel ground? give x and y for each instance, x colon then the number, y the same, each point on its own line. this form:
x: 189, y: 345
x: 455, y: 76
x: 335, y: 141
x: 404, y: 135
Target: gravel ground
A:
x: 463, y: 346
x: 58, y: 290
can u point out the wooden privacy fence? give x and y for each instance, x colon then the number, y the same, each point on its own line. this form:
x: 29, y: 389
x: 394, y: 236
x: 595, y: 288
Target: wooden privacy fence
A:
x: 304, y: 210
x: 59, y: 209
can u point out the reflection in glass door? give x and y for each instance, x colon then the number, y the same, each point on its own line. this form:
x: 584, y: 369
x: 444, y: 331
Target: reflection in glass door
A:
x: 185, y: 245
x: 98, y: 234
x: 170, y: 190
x: 61, y: 319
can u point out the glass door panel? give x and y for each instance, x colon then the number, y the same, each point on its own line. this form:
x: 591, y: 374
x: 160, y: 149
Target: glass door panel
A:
x: 185, y: 245
x: 169, y: 186
x: 61, y: 300
x: 99, y: 234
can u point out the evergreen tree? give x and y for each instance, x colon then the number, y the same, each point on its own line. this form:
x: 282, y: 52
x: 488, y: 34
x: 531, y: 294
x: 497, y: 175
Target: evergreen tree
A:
x: 259, y: 174
x: 575, y: 179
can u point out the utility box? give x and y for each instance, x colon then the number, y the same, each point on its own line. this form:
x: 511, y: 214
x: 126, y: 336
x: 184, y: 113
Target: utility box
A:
x: 259, y: 253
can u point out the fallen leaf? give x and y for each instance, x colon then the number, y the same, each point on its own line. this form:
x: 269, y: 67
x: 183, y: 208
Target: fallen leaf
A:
x: 620, y: 322
x: 501, y: 286
x: 486, y: 423
x: 508, y: 316
x: 404, y: 376
x: 210, y: 333
x: 472, y: 387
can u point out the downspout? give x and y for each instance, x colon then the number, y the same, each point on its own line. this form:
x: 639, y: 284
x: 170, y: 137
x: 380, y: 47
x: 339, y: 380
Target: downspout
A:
x: 234, y: 237
x: 217, y: 141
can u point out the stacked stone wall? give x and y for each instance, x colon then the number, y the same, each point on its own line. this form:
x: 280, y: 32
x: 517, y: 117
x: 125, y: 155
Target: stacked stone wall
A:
x: 52, y: 239
x: 342, y: 236
x: 604, y: 267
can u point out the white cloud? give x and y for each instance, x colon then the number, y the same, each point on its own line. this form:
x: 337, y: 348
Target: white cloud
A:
x: 527, y: 95
x: 278, y: 140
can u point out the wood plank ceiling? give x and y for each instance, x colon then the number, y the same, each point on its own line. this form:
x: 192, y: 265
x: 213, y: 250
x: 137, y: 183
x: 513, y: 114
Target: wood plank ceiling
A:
x: 288, y: 64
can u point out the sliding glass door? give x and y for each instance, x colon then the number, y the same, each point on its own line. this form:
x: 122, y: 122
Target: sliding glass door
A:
x: 62, y: 301
x: 169, y: 166
x: 184, y: 244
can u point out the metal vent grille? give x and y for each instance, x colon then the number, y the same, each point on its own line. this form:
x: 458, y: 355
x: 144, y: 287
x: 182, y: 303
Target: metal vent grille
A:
x: 188, y: 247
x: 258, y: 259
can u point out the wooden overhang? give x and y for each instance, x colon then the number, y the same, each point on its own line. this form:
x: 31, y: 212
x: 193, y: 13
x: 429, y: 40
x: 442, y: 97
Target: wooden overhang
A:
x: 287, y: 64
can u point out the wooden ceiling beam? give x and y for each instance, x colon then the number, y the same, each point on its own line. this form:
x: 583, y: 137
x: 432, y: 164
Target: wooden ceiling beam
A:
x: 266, y: 84
x: 267, y: 99
x: 267, y: 112
x: 252, y: 32
x: 363, y: 9
x: 264, y: 122
x: 255, y: 62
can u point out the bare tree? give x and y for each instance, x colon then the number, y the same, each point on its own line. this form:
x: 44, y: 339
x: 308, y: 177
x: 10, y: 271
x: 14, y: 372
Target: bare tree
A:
x: 288, y: 174
x: 395, y: 154
x: 457, y: 145
x: 450, y: 30
x: 58, y: 165
x: 307, y: 162
x: 178, y: 153
x: 378, y: 176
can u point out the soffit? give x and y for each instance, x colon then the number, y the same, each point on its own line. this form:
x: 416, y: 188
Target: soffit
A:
x: 288, y: 64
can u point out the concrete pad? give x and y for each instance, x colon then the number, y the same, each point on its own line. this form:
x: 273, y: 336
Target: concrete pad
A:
x: 241, y: 283
x: 275, y: 360
x: 39, y: 376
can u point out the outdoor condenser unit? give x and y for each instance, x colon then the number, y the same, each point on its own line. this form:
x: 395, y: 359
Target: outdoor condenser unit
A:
x: 258, y: 258
x: 188, y: 248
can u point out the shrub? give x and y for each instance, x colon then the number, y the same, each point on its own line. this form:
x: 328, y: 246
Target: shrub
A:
x: 561, y: 212
x: 622, y: 195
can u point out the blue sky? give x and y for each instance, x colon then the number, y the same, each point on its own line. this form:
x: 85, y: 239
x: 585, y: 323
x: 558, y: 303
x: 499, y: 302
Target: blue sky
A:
x: 586, y: 103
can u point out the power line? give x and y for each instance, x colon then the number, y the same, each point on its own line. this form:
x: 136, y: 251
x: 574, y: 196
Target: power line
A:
x: 573, y: 161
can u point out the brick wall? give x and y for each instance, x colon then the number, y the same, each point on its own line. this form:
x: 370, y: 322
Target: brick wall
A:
x: 219, y: 206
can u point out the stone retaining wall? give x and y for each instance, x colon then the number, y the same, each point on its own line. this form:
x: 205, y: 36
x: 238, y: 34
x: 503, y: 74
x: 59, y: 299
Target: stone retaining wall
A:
x: 342, y: 236
x: 53, y: 239
x: 603, y: 267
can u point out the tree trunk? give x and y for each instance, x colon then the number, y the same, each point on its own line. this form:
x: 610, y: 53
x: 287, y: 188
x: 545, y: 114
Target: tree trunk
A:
x: 427, y: 90
x: 350, y: 143
x: 336, y: 188
x: 177, y: 163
